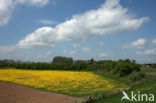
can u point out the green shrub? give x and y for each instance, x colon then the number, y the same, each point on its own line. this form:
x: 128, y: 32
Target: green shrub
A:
x: 125, y: 67
x: 120, y: 67
x: 137, y: 76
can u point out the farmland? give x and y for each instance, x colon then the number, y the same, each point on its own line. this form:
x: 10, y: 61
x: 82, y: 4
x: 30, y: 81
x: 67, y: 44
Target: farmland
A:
x: 64, y: 82
x: 95, y: 81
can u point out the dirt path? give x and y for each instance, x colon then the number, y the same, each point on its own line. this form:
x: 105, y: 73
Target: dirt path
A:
x: 12, y: 93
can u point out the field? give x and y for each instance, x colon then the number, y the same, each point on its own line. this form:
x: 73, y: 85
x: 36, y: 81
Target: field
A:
x: 146, y: 85
x: 64, y: 82
x: 82, y: 83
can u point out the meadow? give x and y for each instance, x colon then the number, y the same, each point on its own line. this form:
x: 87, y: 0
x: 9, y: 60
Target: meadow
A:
x: 146, y: 85
x: 74, y: 83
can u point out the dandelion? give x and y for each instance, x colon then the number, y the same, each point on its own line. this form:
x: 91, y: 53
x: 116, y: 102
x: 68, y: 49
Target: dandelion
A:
x: 66, y: 82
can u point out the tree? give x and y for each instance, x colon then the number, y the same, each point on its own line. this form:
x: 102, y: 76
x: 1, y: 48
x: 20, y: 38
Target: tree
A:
x: 91, y: 61
x: 153, y: 65
x: 63, y: 60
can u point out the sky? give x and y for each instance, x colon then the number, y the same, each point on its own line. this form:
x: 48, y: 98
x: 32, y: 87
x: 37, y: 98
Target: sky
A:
x: 38, y: 30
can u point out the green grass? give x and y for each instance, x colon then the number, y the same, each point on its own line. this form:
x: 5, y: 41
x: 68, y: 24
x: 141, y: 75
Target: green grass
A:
x: 149, y: 70
x: 146, y: 86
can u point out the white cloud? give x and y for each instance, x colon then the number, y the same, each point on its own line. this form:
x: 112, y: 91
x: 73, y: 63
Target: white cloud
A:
x: 39, y: 40
x: 38, y: 3
x: 9, y: 48
x: 154, y: 41
x: 44, y: 55
x: 101, y: 43
x: 9, y: 52
x: 5, y: 11
x: 111, y: 17
x: 7, y: 6
x: 48, y: 22
x: 86, y: 49
x: 72, y: 52
x: 75, y: 45
x: 103, y: 54
x: 140, y: 43
x: 48, y: 52
x: 147, y: 52
x: 65, y: 52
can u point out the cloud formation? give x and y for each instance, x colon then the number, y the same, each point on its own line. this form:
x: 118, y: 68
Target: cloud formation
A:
x: 111, y: 17
x: 147, y: 52
x: 38, y: 3
x: 86, y: 49
x: 44, y: 55
x: 48, y: 22
x: 103, y: 55
x: 101, y: 43
x: 72, y: 52
x: 140, y: 43
x: 7, y: 49
x: 75, y: 45
x: 154, y: 41
x: 5, y: 11
x: 7, y: 6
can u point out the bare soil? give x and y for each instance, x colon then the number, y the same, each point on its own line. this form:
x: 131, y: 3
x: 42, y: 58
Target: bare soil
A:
x: 12, y: 93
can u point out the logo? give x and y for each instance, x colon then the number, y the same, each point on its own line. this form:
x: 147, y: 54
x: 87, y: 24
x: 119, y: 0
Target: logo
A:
x: 138, y: 97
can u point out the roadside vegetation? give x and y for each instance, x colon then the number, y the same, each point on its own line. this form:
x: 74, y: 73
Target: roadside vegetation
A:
x: 146, y: 85
x: 120, y: 67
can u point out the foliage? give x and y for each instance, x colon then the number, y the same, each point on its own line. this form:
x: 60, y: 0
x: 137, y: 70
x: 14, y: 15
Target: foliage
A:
x: 120, y: 67
x: 153, y: 65
x: 63, y: 60
x: 137, y: 76
x: 125, y: 67
x: 146, y: 86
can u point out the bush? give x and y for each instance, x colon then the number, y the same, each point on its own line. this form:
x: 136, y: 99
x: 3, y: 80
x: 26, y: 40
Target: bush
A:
x: 125, y: 67
x: 121, y: 67
x: 63, y: 60
x: 137, y: 76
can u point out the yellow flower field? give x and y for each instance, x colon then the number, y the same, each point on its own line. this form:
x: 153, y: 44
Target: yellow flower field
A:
x: 66, y: 82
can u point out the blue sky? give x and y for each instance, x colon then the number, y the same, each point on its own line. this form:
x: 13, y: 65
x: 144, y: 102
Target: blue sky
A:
x: 38, y: 30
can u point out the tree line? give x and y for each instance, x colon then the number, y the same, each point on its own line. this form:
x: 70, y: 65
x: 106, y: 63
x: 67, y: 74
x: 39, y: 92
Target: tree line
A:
x: 120, y: 67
